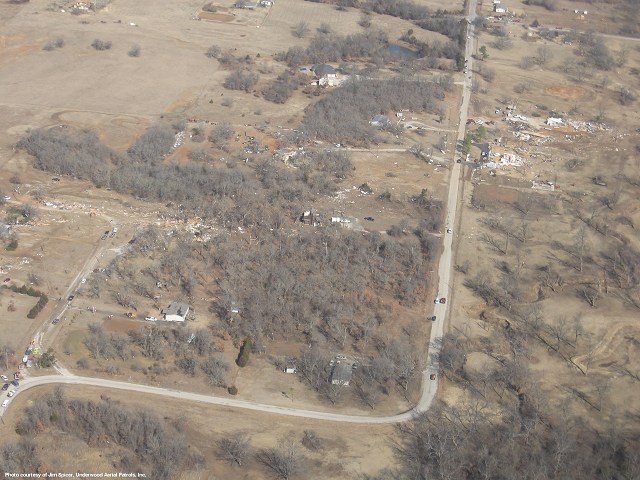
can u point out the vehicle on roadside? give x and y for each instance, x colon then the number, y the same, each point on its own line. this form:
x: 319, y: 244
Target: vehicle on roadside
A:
x: 449, y: 230
x: 70, y: 298
x: 443, y: 300
x: 15, y: 383
x: 6, y: 402
x: 56, y: 320
x: 433, y: 319
x: 432, y: 376
x: 5, y: 387
x: 11, y: 393
x: 83, y: 281
x: 4, y: 378
x: 369, y: 219
x: 150, y: 319
x: 129, y: 315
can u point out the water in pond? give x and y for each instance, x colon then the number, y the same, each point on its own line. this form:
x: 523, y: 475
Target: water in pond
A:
x: 399, y: 51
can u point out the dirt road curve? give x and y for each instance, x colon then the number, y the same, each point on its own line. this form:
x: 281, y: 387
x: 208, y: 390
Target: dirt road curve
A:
x: 429, y: 387
x: 221, y: 401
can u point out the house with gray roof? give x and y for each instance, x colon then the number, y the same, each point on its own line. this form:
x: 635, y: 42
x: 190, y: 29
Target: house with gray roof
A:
x: 176, y: 312
x: 341, y: 374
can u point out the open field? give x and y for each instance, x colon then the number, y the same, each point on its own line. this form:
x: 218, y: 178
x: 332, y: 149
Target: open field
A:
x: 347, y: 453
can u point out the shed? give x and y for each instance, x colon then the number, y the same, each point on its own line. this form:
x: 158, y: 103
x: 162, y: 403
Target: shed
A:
x: 341, y: 374
x: 176, y: 312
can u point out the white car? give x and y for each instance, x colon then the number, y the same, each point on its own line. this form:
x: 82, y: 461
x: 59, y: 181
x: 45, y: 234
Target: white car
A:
x: 6, y: 402
x: 4, y: 378
x: 151, y: 319
x: 449, y: 230
x: 11, y: 393
x: 84, y: 280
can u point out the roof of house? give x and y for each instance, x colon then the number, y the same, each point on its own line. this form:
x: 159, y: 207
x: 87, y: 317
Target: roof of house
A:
x: 379, y: 120
x: 176, y: 308
x: 323, y: 69
x: 341, y: 372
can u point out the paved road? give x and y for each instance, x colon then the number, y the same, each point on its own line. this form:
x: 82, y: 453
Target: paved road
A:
x: 445, y: 267
x: 430, y: 387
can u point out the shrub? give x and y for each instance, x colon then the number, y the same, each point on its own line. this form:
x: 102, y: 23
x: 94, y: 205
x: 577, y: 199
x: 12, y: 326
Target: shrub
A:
x: 82, y: 363
x: 12, y: 245
x: 233, y: 390
x: 101, y: 45
x: 134, y: 51
x: 214, y: 51
x: 53, y: 44
x: 243, y: 356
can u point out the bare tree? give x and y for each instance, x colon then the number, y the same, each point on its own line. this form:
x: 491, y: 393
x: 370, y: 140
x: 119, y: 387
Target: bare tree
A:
x: 234, y: 448
x: 591, y: 295
x: 216, y: 369
x: 301, y: 29
x: 284, y: 462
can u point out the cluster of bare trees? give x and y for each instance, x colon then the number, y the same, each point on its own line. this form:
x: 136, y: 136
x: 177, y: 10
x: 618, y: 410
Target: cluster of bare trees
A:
x: 241, y: 80
x: 344, y: 115
x: 315, y: 282
x: 334, y: 48
x: 505, y: 424
x: 283, y: 87
x: 193, y: 350
x: 152, y: 447
x: 154, y: 144
x: 282, y: 462
x: 405, y: 9
x: 467, y: 442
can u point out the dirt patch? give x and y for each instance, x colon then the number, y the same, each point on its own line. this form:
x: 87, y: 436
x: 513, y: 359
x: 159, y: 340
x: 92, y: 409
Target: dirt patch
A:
x: 566, y: 91
x: 493, y: 194
x: 215, y: 17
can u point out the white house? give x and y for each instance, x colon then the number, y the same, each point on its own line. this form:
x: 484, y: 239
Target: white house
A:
x: 176, y: 312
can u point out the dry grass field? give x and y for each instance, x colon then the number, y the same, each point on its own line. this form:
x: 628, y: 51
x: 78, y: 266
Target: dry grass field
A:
x: 595, y: 371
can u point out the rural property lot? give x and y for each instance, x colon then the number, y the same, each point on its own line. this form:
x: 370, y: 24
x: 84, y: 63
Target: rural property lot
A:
x: 190, y: 153
x: 118, y: 96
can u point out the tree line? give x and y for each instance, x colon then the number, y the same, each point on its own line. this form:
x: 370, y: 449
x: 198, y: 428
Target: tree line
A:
x: 150, y: 446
